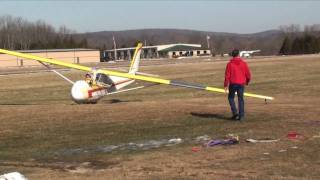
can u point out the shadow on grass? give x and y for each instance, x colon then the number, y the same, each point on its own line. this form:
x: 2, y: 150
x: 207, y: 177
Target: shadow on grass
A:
x: 114, y: 101
x: 14, y: 104
x: 20, y: 104
x: 210, y: 115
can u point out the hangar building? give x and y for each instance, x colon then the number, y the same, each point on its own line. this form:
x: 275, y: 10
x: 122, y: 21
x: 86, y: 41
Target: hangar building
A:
x: 65, y: 55
x: 158, y: 51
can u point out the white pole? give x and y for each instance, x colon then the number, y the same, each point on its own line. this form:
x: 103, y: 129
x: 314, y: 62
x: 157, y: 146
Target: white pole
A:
x: 115, y: 48
x: 208, y: 45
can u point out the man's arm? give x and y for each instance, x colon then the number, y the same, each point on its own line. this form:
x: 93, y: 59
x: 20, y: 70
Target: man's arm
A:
x: 247, y: 73
x: 227, y: 77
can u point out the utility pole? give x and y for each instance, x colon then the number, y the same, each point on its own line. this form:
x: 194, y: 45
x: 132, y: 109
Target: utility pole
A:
x: 115, y: 48
x: 208, y: 44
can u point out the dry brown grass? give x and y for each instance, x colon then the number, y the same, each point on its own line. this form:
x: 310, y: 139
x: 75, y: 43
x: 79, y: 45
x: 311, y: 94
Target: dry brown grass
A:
x: 38, y: 119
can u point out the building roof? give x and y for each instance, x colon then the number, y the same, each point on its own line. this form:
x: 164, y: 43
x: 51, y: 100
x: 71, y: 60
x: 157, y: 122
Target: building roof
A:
x: 56, y: 50
x: 181, y: 48
x: 158, y: 47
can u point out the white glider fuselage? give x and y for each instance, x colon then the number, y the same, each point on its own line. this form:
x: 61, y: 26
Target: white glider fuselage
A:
x: 84, y: 93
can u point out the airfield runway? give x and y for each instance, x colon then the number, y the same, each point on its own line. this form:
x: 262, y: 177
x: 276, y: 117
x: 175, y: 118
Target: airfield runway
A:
x: 44, y: 135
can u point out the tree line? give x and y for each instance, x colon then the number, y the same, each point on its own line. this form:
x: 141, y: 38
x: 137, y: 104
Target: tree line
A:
x: 297, y: 41
x: 19, y: 34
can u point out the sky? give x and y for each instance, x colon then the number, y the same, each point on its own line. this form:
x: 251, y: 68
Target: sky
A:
x: 216, y: 16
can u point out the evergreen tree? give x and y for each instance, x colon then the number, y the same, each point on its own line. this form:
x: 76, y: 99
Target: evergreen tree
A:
x: 297, y: 46
x: 307, y: 42
x: 286, y: 46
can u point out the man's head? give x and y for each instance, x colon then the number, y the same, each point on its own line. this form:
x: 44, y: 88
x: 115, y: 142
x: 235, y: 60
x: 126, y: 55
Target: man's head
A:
x: 235, y: 53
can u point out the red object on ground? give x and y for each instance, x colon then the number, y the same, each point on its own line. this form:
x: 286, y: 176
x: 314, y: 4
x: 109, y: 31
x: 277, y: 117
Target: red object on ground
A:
x: 195, y: 149
x: 293, y: 135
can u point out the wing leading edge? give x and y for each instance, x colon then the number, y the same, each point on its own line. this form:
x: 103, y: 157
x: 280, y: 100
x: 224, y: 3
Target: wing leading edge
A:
x: 46, y: 60
x: 127, y: 75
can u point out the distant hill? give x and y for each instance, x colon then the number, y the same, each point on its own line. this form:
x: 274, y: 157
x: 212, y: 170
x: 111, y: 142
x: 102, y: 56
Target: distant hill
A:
x: 268, y: 41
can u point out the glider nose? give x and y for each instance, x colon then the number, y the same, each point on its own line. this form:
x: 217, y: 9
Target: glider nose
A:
x: 79, y: 91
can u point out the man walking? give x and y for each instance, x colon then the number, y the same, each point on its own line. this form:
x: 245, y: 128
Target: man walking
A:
x: 237, y: 75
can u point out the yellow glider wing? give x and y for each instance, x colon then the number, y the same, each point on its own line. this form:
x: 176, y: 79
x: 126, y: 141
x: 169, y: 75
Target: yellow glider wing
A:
x: 126, y: 75
x: 46, y: 60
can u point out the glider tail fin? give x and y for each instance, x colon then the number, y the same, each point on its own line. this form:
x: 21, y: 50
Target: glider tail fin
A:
x: 134, y: 67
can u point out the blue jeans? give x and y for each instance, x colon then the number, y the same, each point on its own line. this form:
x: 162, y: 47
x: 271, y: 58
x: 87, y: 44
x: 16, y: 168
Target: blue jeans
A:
x: 233, y: 88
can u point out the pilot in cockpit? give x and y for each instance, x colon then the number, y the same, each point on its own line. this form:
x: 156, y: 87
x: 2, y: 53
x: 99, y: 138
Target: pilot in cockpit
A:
x: 89, y: 79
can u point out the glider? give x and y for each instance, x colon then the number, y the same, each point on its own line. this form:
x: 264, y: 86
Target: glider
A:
x: 101, y: 82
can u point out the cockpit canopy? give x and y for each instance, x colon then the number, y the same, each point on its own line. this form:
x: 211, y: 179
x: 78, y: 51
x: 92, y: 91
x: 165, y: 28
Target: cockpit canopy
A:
x: 103, y: 80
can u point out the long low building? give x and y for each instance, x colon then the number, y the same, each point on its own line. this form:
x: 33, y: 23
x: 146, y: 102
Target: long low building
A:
x: 65, y: 55
x: 159, y: 51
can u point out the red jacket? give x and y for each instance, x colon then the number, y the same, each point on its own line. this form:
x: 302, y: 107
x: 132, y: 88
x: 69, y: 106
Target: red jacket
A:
x: 237, y: 72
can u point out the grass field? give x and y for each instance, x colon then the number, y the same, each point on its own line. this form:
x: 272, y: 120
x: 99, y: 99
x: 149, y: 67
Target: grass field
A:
x: 41, y: 128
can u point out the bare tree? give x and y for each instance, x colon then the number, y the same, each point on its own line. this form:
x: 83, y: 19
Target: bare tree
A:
x: 17, y: 33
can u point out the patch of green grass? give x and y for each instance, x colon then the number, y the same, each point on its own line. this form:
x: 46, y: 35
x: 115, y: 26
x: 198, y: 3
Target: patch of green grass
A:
x: 30, y: 143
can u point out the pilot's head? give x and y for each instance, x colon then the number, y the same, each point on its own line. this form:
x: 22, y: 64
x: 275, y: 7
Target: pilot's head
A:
x: 88, y: 75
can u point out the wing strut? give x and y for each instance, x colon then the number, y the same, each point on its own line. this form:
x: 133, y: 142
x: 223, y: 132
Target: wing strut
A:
x: 59, y: 74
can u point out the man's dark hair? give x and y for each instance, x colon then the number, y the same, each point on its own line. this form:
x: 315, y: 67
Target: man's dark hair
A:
x: 235, y: 53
